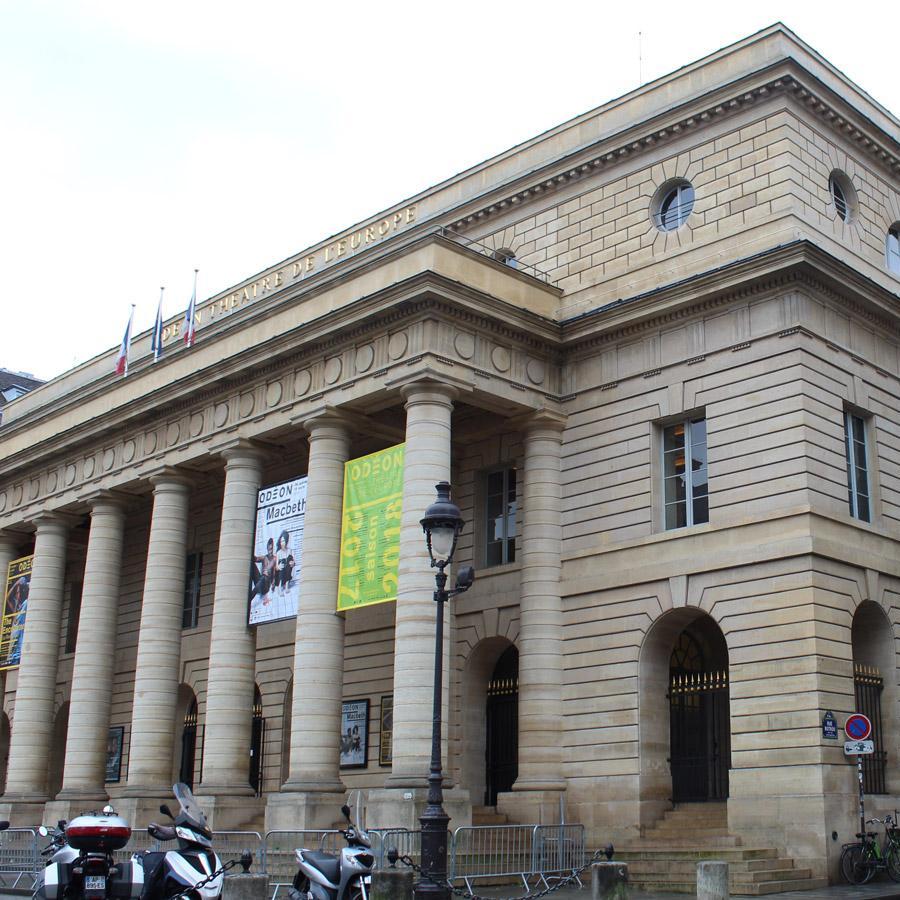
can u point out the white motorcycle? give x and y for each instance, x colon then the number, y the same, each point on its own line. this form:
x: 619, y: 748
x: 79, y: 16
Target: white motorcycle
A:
x: 80, y: 863
x: 186, y: 871
x: 324, y: 876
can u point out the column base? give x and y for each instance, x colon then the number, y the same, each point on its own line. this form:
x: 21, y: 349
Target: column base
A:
x: 401, y: 807
x: 139, y: 812
x: 539, y: 807
x: 231, y: 813
x: 26, y: 812
x: 63, y: 808
x: 305, y: 810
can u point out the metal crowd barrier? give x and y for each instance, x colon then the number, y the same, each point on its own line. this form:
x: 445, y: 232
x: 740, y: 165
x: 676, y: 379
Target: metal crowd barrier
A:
x: 20, y: 857
x: 492, y: 851
x: 558, y: 850
x: 521, y: 852
x: 277, y: 859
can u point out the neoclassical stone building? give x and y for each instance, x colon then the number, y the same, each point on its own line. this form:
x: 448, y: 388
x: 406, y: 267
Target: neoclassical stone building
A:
x: 655, y: 350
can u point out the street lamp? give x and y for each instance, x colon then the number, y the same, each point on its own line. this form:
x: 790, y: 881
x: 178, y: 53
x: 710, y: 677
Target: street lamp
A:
x: 442, y: 524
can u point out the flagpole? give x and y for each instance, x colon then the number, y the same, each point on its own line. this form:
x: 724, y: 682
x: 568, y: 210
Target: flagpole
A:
x: 156, y: 343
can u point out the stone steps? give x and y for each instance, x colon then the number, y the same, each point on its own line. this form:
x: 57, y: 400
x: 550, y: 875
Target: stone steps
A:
x: 666, y: 857
x: 488, y: 815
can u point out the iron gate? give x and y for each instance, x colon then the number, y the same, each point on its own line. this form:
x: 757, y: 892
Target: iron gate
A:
x: 502, y: 739
x: 868, y: 685
x: 700, y: 736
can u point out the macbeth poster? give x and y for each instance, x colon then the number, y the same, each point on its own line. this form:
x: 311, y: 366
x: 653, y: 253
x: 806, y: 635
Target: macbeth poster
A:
x: 12, y: 632
x: 277, y: 551
x: 370, y: 528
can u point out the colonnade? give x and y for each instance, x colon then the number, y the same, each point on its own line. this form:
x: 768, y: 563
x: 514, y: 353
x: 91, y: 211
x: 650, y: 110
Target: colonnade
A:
x: 319, y: 642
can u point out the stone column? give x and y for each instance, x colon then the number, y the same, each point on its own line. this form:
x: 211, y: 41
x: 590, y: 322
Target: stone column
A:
x: 159, y: 643
x: 95, y: 654
x: 540, y: 628
x: 426, y: 462
x: 9, y: 550
x: 32, y: 726
x: 314, y: 790
x: 232, y: 648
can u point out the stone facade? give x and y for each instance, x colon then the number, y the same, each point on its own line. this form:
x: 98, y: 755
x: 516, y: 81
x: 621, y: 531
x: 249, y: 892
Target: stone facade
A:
x: 769, y: 315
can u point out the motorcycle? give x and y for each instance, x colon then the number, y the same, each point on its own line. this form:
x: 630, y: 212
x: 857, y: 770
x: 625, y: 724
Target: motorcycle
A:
x: 80, y: 864
x: 176, y: 872
x: 325, y: 876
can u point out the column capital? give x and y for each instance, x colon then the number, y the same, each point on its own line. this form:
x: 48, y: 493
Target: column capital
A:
x: 326, y: 416
x: 100, y: 498
x: 11, y: 540
x: 427, y: 377
x: 546, y: 419
x: 50, y: 520
x: 241, y: 450
x: 161, y: 475
x: 427, y: 390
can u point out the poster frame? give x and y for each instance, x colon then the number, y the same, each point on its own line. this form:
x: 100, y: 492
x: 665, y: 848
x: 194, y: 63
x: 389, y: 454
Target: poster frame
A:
x: 386, y: 735
x: 114, y: 760
x: 295, y: 554
x: 355, y: 706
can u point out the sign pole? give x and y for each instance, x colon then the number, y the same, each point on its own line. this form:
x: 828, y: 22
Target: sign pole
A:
x: 862, y: 802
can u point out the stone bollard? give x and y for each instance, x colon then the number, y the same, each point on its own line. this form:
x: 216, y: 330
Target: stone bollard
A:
x: 609, y: 881
x: 245, y: 887
x: 712, y: 880
x: 392, y: 884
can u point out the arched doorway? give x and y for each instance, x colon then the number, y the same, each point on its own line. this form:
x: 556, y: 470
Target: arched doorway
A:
x: 502, y: 727
x: 874, y: 688
x: 482, y: 688
x: 257, y: 738
x: 57, y: 758
x: 187, y: 749
x: 685, y: 731
x: 286, y: 718
x: 699, y: 723
x: 189, y: 745
x: 4, y: 750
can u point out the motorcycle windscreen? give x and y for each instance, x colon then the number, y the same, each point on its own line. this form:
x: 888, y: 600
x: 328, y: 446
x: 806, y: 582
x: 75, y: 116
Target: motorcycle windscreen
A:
x: 190, y: 809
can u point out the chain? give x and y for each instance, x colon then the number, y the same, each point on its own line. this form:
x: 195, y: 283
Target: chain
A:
x: 563, y: 882
x: 183, y: 895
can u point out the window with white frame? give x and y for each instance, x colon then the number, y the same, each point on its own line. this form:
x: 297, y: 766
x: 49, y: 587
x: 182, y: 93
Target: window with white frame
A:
x: 686, y: 491
x: 500, y: 517
x: 857, y: 466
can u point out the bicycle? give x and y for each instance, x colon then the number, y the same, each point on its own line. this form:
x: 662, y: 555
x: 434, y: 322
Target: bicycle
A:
x: 861, y: 860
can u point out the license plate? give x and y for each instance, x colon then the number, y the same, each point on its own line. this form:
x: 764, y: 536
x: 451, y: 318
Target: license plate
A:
x: 95, y: 882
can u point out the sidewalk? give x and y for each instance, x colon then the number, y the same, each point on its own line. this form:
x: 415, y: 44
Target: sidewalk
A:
x: 878, y: 890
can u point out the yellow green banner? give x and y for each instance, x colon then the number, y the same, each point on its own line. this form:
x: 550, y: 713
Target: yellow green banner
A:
x: 370, y: 528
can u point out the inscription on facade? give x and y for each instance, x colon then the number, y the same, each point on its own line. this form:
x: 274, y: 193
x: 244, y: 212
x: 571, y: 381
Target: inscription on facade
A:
x: 296, y: 271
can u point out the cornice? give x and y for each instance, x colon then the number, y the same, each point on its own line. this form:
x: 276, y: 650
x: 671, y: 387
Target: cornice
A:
x: 799, y: 264
x: 804, y: 88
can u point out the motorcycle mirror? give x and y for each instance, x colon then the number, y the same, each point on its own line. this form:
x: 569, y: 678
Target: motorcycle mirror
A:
x: 43, y: 831
x: 346, y: 811
x: 61, y: 824
x: 164, y: 809
x: 4, y: 825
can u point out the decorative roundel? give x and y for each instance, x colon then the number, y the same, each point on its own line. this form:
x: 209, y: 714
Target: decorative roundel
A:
x: 858, y: 727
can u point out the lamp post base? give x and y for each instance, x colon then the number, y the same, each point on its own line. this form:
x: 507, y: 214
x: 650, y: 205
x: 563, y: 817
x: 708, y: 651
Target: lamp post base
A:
x: 435, y: 849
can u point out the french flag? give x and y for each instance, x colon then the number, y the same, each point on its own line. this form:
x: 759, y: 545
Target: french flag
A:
x: 125, y: 347
x: 156, y: 341
x: 190, y: 324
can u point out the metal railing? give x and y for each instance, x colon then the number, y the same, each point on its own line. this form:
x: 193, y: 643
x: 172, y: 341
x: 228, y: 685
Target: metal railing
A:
x: 526, y: 853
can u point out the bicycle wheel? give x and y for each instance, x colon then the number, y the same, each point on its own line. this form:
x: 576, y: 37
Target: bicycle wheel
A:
x: 857, y: 863
x: 892, y: 859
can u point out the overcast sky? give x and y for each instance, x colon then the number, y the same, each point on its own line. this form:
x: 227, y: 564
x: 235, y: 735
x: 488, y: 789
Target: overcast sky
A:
x: 143, y: 140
